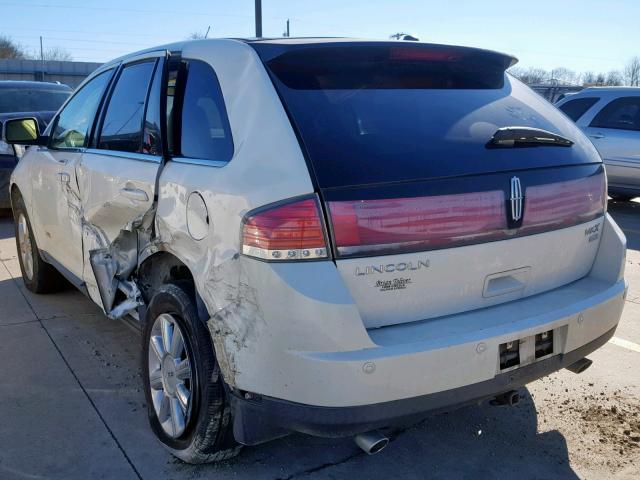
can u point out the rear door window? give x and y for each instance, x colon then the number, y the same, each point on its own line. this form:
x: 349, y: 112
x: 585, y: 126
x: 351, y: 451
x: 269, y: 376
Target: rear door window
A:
x: 122, y: 124
x: 205, y: 132
x: 620, y: 114
x: 151, y: 141
x: 576, y: 108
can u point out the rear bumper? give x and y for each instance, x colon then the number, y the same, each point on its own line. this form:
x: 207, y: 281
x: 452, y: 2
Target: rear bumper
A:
x: 413, y: 368
x: 263, y: 418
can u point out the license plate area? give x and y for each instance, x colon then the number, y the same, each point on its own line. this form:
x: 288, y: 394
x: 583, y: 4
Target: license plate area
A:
x: 523, y: 351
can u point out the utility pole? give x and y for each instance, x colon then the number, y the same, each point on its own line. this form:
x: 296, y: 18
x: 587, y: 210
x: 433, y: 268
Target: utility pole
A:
x: 258, y: 18
x: 286, y: 34
x: 41, y: 59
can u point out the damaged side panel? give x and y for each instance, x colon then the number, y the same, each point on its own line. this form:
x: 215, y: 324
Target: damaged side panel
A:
x: 117, y: 219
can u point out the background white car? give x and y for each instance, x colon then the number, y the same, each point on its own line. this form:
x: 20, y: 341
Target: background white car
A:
x: 610, y: 116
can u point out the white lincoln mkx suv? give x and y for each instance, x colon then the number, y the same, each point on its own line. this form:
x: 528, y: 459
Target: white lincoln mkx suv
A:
x: 325, y: 236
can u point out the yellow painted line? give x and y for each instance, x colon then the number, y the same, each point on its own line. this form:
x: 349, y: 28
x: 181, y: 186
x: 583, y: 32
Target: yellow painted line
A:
x: 634, y: 347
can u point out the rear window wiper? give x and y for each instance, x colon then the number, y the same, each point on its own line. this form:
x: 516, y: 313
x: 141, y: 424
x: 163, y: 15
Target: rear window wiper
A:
x: 513, y: 137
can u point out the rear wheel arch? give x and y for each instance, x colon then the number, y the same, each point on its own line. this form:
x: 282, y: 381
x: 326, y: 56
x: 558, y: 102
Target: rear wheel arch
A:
x: 164, y: 268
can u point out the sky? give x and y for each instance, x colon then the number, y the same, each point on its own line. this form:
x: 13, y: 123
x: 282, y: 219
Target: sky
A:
x: 582, y: 35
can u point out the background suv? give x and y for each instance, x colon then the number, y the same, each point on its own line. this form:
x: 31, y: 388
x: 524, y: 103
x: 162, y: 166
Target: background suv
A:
x: 610, y: 116
x: 322, y: 235
x: 19, y: 99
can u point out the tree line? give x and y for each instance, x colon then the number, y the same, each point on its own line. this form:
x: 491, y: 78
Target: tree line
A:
x: 628, y: 76
x: 11, y: 49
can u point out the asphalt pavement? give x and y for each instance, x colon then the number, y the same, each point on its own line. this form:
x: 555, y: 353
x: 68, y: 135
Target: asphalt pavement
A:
x: 72, y: 406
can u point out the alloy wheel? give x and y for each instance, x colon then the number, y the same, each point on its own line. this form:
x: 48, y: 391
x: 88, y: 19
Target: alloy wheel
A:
x: 170, y: 375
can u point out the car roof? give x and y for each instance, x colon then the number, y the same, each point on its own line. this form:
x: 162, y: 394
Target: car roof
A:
x: 609, y: 91
x: 26, y: 84
x: 284, y: 42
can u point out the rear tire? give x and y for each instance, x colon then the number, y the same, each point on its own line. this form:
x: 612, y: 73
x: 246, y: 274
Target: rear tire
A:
x: 198, y: 429
x: 38, y: 275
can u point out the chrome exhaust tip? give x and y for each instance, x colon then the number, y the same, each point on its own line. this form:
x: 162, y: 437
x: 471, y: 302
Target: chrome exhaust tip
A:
x: 371, y: 442
x: 580, y: 366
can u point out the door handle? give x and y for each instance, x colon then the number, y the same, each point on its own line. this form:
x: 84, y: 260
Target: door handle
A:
x: 135, y: 194
x: 64, y: 177
x: 62, y: 161
x: 597, y: 135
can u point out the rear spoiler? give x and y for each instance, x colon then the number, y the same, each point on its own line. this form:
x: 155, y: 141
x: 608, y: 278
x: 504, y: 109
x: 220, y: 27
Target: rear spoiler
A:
x: 268, y: 50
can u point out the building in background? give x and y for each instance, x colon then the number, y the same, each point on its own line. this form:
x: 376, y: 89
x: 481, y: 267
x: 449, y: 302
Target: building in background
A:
x: 67, y: 72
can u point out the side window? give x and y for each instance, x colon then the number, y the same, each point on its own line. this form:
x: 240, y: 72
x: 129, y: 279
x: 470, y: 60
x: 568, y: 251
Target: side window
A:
x: 622, y: 114
x: 577, y: 107
x: 73, y: 124
x: 151, y: 139
x: 205, y: 131
x: 122, y: 124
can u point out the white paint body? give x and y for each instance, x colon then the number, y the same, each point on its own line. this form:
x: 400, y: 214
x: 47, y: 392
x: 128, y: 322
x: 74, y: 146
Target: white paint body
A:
x: 305, y: 331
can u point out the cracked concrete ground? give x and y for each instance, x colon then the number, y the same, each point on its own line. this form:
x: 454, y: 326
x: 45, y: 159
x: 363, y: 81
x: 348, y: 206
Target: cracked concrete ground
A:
x: 72, y: 407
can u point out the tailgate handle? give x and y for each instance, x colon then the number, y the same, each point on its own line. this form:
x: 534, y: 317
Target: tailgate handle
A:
x: 503, y: 283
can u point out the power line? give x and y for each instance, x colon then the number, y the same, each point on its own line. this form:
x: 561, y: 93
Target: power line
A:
x: 87, y: 41
x: 82, y: 32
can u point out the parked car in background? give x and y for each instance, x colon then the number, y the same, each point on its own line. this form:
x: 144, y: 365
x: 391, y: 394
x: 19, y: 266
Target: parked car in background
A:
x: 324, y: 236
x: 39, y: 100
x: 610, y: 116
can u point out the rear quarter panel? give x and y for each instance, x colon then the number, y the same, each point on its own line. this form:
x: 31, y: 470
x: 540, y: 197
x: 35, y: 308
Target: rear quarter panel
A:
x: 267, y: 166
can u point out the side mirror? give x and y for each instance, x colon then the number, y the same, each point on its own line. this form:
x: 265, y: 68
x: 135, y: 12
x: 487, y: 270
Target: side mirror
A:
x: 22, y: 131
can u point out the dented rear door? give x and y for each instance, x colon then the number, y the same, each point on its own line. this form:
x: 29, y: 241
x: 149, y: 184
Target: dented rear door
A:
x: 117, y: 178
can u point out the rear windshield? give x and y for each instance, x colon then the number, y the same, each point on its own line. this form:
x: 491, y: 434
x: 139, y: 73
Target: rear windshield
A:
x: 31, y: 100
x: 368, y: 115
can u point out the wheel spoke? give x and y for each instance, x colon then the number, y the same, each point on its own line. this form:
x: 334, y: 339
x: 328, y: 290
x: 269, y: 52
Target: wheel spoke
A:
x: 166, y: 328
x: 157, y: 347
x: 177, y: 417
x: 164, y: 410
x: 157, y: 397
x: 183, y: 370
x: 155, y: 380
x: 177, y: 344
x: 183, y: 396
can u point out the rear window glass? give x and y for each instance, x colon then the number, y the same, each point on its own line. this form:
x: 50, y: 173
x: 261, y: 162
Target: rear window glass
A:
x: 384, y: 116
x: 206, y: 134
x: 14, y: 100
x: 621, y: 114
x: 574, y: 109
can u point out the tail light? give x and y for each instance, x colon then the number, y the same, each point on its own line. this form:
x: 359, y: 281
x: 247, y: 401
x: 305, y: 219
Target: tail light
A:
x: 563, y: 204
x: 296, y: 231
x: 419, y: 223
x: 290, y: 231
x: 400, y: 225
